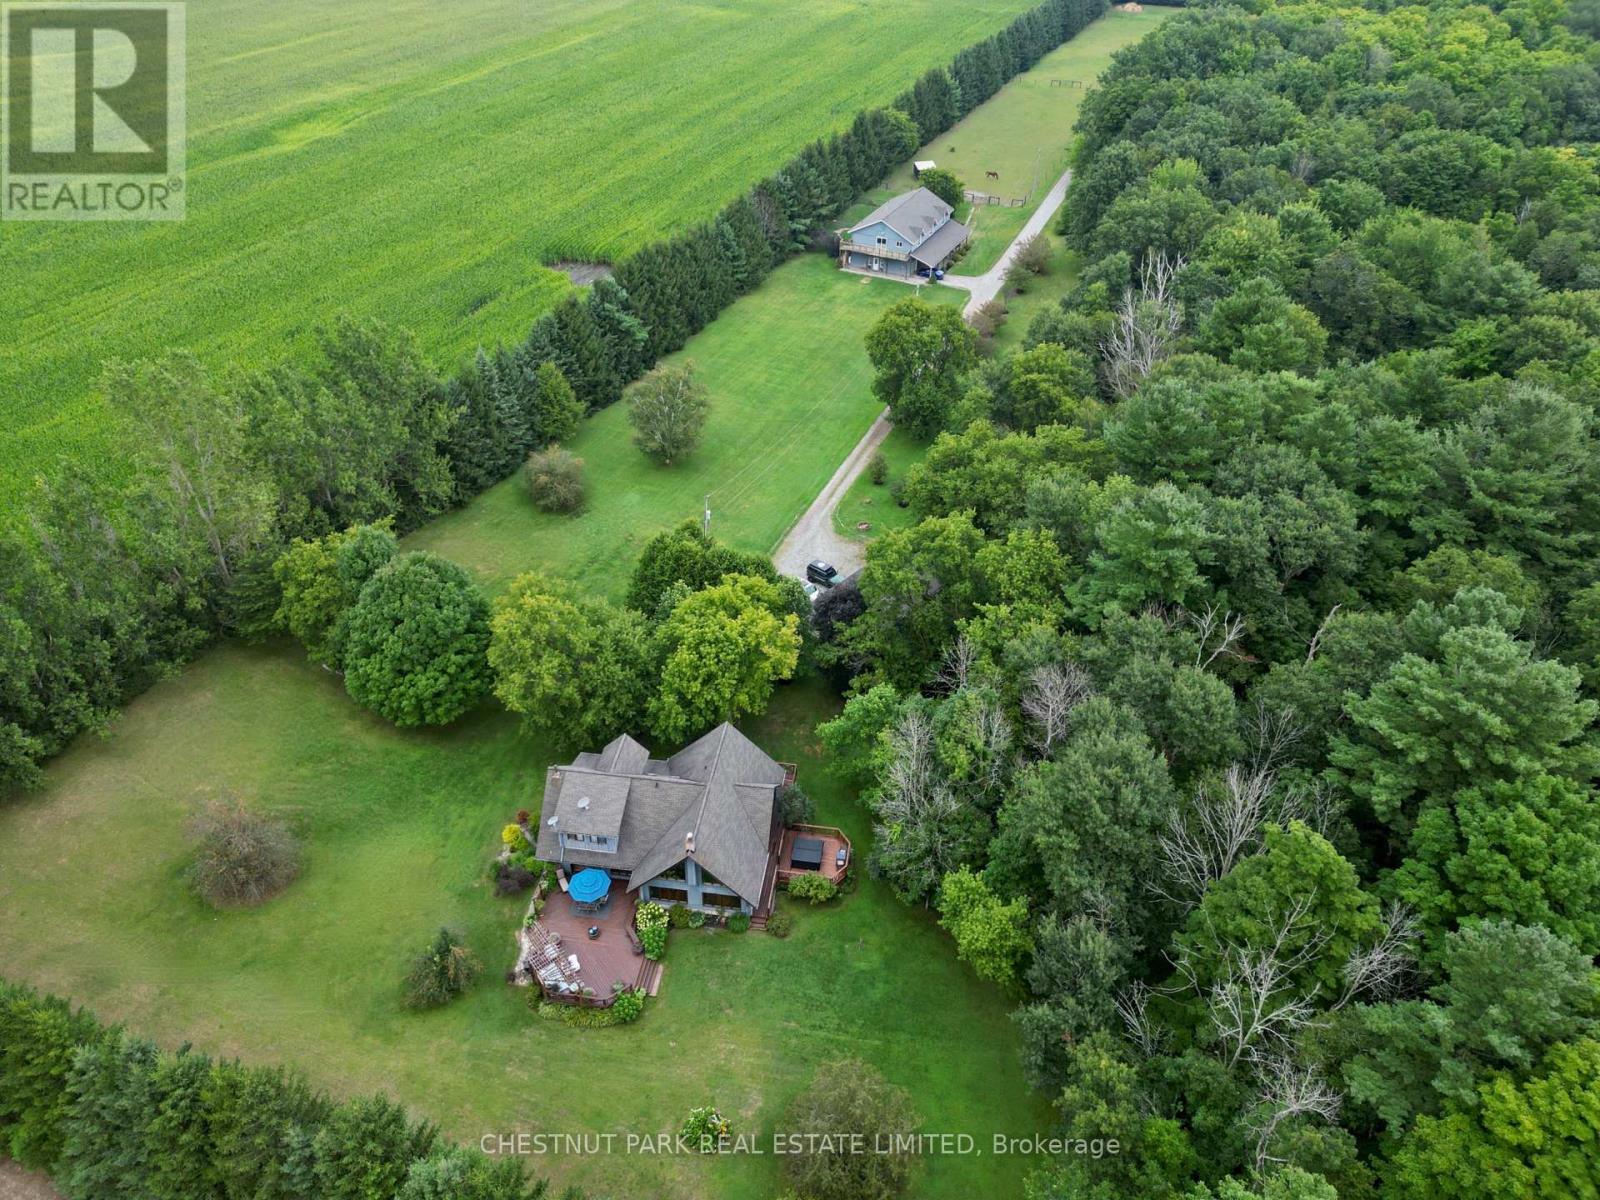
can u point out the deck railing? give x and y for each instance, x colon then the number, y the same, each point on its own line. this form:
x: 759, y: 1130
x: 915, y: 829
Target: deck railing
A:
x: 828, y: 869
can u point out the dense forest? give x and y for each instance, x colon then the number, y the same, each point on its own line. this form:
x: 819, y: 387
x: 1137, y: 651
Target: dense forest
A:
x: 1233, y: 700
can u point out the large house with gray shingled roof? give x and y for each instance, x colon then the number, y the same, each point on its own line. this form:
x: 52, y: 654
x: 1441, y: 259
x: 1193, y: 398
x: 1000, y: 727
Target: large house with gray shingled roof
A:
x: 914, y: 230
x: 700, y: 828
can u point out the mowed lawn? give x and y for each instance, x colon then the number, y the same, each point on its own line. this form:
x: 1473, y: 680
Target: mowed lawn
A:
x: 790, y: 388
x: 1023, y: 133
x: 398, y: 830
x: 419, y: 162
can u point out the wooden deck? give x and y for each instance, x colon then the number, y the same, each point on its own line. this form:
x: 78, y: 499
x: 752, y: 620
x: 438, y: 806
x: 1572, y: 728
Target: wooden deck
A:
x: 606, y: 960
x: 833, y: 840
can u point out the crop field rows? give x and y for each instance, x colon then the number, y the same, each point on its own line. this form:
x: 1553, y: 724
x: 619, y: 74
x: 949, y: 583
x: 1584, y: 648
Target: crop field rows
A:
x: 384, y: 159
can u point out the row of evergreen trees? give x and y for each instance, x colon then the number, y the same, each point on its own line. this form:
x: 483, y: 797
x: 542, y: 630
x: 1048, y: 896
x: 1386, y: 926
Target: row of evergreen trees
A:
x: 107, y: 585
x: 670, y: 290
x: 111, y: 1117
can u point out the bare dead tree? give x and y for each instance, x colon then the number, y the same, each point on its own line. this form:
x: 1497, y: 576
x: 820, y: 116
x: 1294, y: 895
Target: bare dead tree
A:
x: 1133, y: 1006
x: 916, y: 810
x: 1146, y: 325
x: 956, y: 670
x: 1315, y: 805
x: 1270, y: 734
x: 1250, y: 994
x: 1288, y: 1090
x: 910, y: 774
x: 993, y: 734
x: 1316, y: 638
x: 1222, y: 827
x: 1053, y: 691
x: 1377, y: 971
x: 1219, y: 634
x: 1304, y: 166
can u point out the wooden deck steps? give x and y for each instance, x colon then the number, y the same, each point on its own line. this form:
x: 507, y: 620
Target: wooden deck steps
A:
x: 758, y: 922
x: 650, y: 977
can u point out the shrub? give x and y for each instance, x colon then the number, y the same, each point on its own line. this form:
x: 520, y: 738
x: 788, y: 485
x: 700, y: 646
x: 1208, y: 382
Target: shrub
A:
x: 628, y: 1006
x: 555, y: 480
x: 988, y: 319
x: 1033, y: 258
x: 511, y: 836
x: 651, y: 921
x: 779, y: 924
x: 441, y: 972
x: 878, y: 468
x: 511, y: 878
x: 850, y: 1094
x: 704, y: 1128
x: 241, y: 857
x: 679, y: 917
x: 813, y: 889
x: 697, y: 920
x: 739, y: 922
x: 794, y: 806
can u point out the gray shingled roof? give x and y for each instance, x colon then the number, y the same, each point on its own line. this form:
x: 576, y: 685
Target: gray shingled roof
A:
x: 624, y: 756
x: 913, y: 215
x: 721, y: 788
x: 941, y: 245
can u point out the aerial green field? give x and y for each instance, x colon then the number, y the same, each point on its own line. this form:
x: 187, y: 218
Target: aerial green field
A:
x: 790, y: 389
x: 1023, y: 133
x: 399, y: 829
x: 420, y: 162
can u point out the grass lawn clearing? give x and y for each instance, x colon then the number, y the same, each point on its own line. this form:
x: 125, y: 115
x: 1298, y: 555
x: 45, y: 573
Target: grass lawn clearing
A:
x: 399, y: 829
x: 1023, y: 132
x: 874, y: 504
x: 1042, y: 293
x: 791, y: 395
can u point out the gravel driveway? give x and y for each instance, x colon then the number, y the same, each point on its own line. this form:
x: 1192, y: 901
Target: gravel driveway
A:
x: 986, y: 287
x: 813, y: 535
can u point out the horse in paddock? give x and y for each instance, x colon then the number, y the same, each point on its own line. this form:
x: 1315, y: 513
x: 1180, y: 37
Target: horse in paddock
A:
x: 991, y: 174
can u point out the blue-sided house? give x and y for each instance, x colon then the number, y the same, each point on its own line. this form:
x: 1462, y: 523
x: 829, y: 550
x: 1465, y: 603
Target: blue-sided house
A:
x: 913, y: 233
x: 701, y: 828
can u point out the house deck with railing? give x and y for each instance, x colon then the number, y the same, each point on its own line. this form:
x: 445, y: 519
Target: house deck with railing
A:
x: 833, y: 841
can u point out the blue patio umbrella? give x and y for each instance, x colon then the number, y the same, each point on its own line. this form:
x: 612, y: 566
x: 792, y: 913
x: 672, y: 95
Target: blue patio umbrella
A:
x: 589, y: 885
